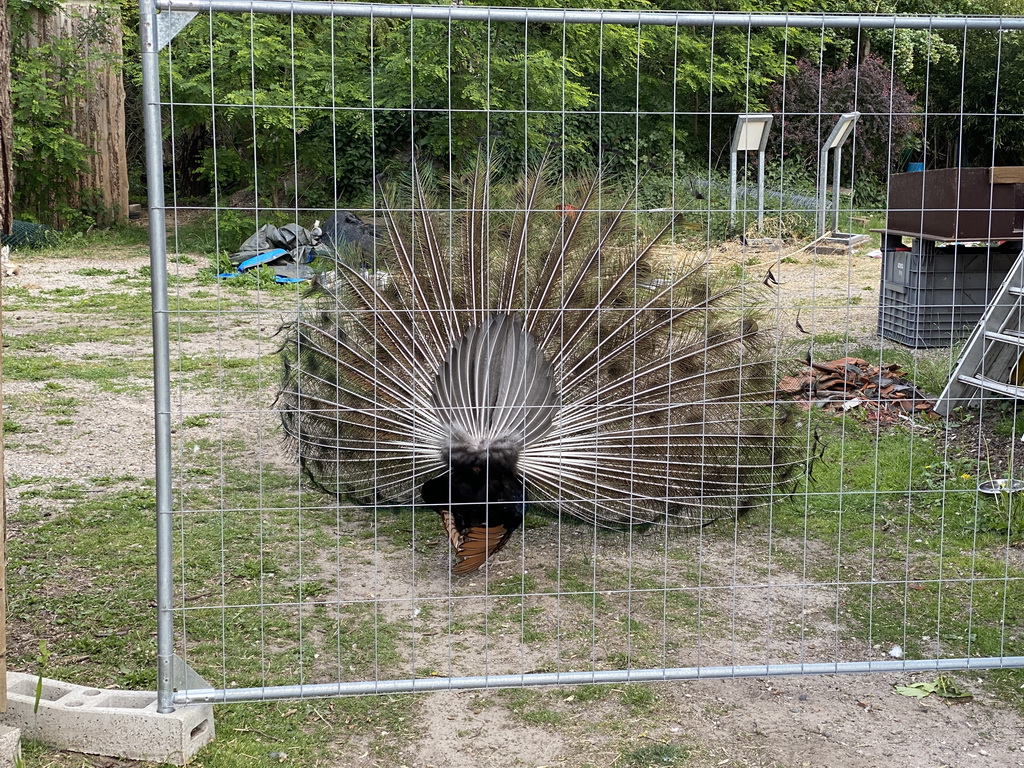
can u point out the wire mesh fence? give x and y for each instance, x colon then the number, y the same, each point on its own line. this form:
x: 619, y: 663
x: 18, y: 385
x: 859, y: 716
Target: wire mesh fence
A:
x: 712, y: 415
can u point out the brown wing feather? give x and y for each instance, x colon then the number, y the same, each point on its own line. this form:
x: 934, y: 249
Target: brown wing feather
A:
x: 454, y: 535
x: 478, y: 544
x: 473, y: 546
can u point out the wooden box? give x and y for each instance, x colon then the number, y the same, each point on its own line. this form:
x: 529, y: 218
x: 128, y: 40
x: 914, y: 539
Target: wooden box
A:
x: 958, y: 204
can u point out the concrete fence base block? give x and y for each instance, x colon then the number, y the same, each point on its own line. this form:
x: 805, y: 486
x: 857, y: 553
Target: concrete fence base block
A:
x: 103, y: 722
x: 10, y: 747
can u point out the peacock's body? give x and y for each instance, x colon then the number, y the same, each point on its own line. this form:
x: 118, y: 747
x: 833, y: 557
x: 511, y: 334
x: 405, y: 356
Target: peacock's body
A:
x: 521, y: 351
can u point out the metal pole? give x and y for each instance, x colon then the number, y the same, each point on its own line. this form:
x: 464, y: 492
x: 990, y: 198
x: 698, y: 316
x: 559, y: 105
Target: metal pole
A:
x: 626, y: 18
x: 836, y: 162
x: 732, y: 188
x: 161, y: 355
x: 423, y: 684
x: 760, y: 190
x: 822, y: 176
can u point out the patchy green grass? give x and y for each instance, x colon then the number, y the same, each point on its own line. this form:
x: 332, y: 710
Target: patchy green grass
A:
x: 99, y: 272
x: 640, y: 699
x: 81, y: 590
x: 114, y: 243
x: 12, y: 427
x: 656, y: 755
x: 109, y: 374
x: 533, y: 707
x: 74, y: 333
x: 920, y: 555
x: 267, y: 735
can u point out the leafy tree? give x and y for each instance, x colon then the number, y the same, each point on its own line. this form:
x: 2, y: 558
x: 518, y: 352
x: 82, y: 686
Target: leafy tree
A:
x: 366, y: 92
x: 259, y: 103
x: 976, y: 108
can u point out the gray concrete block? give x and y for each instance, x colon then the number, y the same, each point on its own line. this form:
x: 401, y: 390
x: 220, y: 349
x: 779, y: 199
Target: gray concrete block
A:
x: 104, y: 722
x: 10, y: 747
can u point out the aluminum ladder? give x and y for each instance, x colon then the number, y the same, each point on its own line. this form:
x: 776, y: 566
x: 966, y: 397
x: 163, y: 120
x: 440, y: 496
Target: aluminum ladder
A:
x: 989, y: 361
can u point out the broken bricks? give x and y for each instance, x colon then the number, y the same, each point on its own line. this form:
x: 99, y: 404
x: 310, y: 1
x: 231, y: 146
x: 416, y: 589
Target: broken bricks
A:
x: 883, y: 391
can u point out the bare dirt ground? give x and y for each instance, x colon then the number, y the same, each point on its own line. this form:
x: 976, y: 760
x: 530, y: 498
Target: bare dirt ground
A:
x: 748, y: 615
x: 828, y: 290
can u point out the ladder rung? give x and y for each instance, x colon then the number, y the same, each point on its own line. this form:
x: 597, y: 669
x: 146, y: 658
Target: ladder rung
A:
x: 984, y: 382
x: 1002, y: 315
x: 1007, y: 337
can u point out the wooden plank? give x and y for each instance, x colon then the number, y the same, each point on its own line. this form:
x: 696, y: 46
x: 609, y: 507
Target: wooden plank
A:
x: 957, y: 203
x: 1007, y: 174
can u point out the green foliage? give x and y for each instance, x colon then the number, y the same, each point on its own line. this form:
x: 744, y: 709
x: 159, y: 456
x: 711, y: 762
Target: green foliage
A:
x: 1003, y: 514
x: 48, y: 79
x: 992, y: 86
x: 810, y: 97
x: 263, y: 66
x: 365, y: 93
x: 44, y: 658
x: 944, y: 686
x: 232, y: 229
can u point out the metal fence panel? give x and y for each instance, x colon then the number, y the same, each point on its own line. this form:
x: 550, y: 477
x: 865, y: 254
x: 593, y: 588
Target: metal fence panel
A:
x: 884, y: 556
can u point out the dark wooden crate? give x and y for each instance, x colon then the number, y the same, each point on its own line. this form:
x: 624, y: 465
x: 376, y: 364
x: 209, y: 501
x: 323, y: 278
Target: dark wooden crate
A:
x: 955, y: 204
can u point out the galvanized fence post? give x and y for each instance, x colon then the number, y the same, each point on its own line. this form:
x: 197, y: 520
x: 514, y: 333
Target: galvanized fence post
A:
x: 161, y: 354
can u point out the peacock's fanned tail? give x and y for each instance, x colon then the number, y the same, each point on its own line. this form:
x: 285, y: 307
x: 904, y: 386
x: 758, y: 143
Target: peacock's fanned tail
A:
x: 662, y: 407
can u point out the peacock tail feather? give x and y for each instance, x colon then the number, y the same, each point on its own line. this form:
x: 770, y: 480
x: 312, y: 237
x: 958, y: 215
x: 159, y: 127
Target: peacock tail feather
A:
x: 536, y: 319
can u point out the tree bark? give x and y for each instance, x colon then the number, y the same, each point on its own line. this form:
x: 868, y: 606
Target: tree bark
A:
x: 6, y: 217
x: 98, y: 119
x: 6, y: 124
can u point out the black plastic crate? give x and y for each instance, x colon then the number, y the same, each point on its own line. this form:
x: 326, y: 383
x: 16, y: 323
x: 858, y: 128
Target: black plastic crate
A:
x: 932, y: 296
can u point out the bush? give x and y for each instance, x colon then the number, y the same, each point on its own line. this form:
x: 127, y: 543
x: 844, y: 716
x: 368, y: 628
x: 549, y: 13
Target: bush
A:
x: 811, y: 100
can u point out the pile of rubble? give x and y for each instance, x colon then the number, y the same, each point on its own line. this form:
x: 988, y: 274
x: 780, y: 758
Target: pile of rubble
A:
x: 883, y: 392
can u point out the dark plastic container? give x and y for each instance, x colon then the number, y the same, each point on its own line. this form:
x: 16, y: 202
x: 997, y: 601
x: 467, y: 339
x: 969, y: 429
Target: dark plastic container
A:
x: 932, y: 296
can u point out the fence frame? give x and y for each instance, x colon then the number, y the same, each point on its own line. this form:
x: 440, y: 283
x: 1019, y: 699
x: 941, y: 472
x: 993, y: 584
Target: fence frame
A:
x: 176, y: 684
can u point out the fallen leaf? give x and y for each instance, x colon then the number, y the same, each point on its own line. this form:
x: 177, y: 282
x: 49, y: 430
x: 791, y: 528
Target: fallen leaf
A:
x: 916, y: 690
x: 943, y: 686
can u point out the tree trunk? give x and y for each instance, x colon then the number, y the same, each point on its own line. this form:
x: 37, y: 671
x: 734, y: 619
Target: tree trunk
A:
x: 6, y: 217
x: 6, y: 123
x: 98, y: 116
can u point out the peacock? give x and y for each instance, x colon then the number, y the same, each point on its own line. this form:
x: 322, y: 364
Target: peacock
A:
x: 525, y: 344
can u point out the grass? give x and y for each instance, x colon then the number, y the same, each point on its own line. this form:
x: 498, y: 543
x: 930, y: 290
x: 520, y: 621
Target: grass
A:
x: 100, y: 245
x: 271, y: 734
x: 66, y: 334
x: 897, y: 512
x: 80, y: 568
x: 532, y: 707
x: 107, y: 374
x: 656, y: 756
